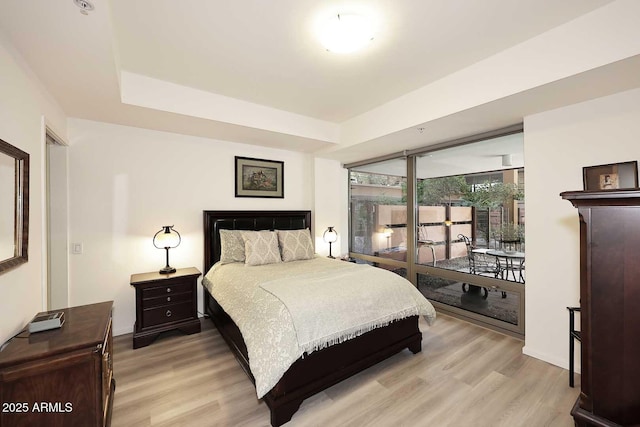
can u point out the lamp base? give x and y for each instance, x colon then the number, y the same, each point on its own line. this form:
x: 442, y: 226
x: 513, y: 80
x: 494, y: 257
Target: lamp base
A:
x: 167, y: 270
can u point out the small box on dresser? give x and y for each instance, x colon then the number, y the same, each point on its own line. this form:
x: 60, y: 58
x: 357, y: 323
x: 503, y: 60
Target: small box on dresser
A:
x: 60, y: 377
x: 165, y: 302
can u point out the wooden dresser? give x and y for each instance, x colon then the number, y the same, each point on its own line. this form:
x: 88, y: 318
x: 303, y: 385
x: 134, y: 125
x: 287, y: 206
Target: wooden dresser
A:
x: 165, y: 302
x: 61, y: 377
x: 610, y: 307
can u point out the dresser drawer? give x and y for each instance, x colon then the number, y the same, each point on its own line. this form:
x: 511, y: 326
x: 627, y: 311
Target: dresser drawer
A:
x: 166, y: 299
x: 166, y: 289
x: 166, y: 314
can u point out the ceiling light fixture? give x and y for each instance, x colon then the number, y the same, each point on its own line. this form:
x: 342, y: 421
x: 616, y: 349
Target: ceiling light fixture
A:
x: 84, y: 5
x: 346, y: 32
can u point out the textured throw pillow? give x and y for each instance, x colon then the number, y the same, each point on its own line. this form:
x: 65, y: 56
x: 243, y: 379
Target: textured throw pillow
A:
x: 261, y: 247
x: 295, y: 244
x: 231, y: 246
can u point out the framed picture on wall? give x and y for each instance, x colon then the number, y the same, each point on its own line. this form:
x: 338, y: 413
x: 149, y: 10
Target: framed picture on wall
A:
x: 613, y: 176
x: 259, y: 178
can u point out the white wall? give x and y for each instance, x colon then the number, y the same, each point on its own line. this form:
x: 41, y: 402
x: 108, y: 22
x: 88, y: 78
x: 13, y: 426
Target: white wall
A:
x: 24, y: 106
x: 125, y: 183
x: 331, y: 205
x: 558, y: 144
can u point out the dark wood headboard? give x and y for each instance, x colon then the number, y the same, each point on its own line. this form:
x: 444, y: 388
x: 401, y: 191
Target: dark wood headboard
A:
x: 214, y: 221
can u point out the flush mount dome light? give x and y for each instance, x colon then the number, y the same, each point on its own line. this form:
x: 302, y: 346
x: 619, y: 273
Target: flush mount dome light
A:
x: 345, y: 32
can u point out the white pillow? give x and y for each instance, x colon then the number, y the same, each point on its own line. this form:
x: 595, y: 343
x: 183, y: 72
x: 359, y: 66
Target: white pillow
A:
x: 231, y: 246
x: 261, y: 247
x: 295, y: 244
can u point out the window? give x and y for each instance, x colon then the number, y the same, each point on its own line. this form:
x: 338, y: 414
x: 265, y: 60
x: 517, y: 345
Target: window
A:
x: 378, y: 214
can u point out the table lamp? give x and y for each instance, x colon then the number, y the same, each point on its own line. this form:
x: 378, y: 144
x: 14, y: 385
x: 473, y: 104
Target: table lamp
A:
x: 166, y: 239
x: 388, y: 231
x: 330, y: 236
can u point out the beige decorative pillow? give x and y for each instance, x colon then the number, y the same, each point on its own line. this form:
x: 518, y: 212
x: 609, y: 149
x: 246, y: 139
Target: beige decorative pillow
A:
x: 261, y: 247
x: 231, y: 246
x: 295, y: 244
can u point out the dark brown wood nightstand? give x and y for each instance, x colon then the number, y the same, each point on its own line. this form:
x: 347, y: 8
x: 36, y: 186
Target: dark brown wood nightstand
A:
x: 165, y: 302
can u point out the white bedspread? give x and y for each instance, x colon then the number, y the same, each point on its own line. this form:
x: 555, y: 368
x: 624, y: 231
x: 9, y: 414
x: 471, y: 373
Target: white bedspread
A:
x: 278, y: 329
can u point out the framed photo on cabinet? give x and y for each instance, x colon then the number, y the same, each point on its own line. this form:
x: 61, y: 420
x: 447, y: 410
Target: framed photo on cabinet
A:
x: 259, y: 178
x: 613, y: 176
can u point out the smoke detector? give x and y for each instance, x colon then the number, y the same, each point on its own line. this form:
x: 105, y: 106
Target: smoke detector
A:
x: 84, y: 5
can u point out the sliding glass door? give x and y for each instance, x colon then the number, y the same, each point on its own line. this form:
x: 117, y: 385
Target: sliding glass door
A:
x: 470, y: 230
x: 453, y: 225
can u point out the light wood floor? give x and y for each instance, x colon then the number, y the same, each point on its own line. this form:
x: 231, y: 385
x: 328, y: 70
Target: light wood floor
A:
x: 464, y: 376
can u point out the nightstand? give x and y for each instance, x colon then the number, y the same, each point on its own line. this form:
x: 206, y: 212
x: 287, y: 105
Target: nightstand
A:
x: 165, y: 302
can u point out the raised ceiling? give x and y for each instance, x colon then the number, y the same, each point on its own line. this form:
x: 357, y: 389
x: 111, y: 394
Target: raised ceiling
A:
x: 265, y: 52
x: 253, y: 72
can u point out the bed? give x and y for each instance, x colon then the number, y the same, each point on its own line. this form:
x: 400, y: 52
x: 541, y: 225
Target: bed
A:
x: 316, y: 370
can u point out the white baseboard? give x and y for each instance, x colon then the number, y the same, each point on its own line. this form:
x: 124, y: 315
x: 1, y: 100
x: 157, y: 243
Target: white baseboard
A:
x: 560, y: 362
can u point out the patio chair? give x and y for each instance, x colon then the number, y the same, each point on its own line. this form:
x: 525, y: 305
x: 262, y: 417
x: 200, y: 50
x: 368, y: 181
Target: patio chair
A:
x: 479, y: 263
x: 423, y: 240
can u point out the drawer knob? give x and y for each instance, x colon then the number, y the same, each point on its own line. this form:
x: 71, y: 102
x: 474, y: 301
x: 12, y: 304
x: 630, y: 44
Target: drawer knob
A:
x: 168, y: 313
x: 168, y: 290
x: 168, y: 298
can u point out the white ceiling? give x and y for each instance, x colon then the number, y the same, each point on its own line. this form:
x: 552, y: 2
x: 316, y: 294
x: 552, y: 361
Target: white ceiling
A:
x: 247, y: 61
x: 265, y: 51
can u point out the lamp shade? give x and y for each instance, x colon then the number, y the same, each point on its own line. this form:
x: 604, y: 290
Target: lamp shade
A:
x: 167, y: 237
x: 330, y: 235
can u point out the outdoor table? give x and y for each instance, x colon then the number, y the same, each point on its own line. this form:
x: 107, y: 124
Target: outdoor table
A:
x: 509, y: 262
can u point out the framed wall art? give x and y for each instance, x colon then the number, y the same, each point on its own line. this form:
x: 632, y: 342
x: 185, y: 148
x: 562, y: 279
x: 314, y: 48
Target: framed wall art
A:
x: 613, y: 176
x: 259, y: 178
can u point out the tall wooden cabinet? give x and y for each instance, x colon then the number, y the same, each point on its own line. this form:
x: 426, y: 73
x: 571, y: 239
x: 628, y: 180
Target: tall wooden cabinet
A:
x: 610, y: 307
x: 61, y: 377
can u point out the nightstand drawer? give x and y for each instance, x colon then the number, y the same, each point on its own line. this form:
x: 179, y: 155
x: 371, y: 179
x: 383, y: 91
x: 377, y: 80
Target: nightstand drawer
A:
x: 166, y: 314
x: 166, y: 289
x: 166, y: 299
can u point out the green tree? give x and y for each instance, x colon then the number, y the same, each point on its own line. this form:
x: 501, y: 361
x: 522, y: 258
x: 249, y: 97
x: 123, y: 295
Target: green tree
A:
x: 438, y: 191
x: 493, y: 194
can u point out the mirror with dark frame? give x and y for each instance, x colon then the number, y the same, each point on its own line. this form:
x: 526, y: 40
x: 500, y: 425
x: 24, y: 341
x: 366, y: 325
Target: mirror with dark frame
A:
x: 14, y: 206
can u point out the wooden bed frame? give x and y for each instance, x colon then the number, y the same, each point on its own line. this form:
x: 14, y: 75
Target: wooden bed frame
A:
x: 320, y: 369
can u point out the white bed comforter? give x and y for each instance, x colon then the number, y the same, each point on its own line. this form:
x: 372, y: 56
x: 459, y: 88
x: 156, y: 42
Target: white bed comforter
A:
x: 287, y: 309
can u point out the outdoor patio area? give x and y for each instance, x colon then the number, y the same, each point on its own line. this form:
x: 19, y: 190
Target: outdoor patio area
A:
x: 474, y: 300
x: 495, y: 304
